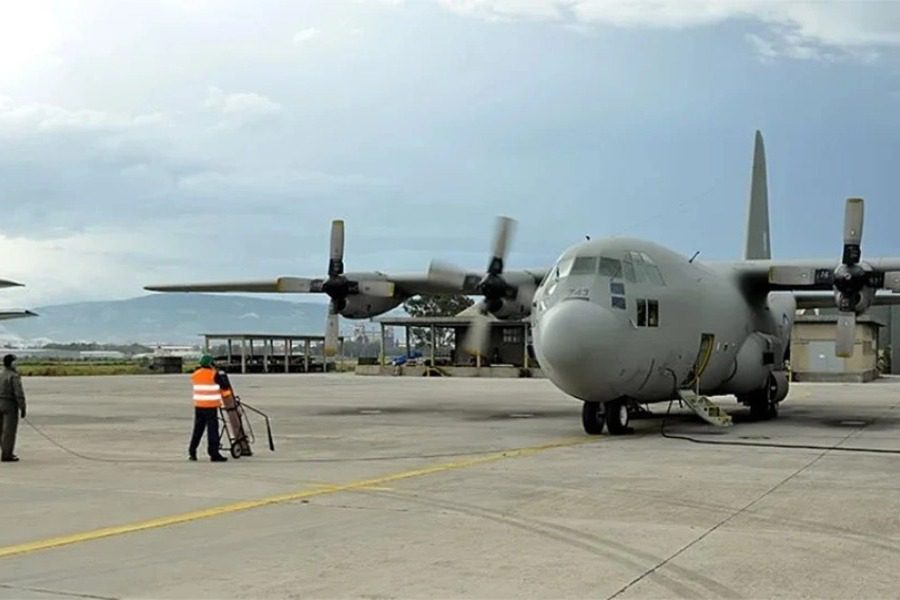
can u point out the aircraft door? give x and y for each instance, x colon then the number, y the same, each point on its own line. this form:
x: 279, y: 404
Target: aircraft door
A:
x: 704, y: 353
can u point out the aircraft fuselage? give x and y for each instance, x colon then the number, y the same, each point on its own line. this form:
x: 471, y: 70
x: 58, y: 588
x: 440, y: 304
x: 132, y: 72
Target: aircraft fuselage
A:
x: 628, y: 319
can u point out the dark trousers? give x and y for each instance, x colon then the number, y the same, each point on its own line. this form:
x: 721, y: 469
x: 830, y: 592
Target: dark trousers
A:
x: 9, y: 424
x: 205, y: 418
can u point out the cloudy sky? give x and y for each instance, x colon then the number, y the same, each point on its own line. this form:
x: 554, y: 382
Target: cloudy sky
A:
x: 148, y: 142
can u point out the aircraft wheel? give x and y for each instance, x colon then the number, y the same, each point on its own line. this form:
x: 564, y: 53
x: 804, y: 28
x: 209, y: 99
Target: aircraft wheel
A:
x: 592, y: 418
x: 762, y: 406
x: 617, y: 417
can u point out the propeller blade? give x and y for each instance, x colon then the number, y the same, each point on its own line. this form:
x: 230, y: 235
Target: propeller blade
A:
x: 446, y: 274
x: 845, y: 338
x: 505, y: 227
x: 853, y: 228
x: 336, y: 254
x: 332, y: 327
x: 792, y: 276
x: 892, y: 281
x: 379, y: 289
x: 477, y: 338
x: 298, y: 285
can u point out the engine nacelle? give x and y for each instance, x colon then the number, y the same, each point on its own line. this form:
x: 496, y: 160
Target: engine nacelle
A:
x: 753, y: 365
x: 361, y: 306
x: 512, y: 309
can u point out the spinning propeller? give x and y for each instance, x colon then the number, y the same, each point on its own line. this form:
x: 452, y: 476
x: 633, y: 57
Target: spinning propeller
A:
x: 854, y: 282
x: 497, y: 292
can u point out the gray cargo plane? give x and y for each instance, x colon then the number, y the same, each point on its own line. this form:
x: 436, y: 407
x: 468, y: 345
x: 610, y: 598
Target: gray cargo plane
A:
x: 619, y: 322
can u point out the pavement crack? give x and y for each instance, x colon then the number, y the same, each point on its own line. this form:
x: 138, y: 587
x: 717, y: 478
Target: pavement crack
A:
x: 49, y: 592
x: 744, y: 509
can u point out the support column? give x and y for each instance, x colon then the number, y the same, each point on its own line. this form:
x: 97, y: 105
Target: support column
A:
x: 383, y: 344
x: 306, y: 356
x: 288, y: 350
x: 525, y: 345
x: 408, y: 352
x: 266, y: 355
x: 229, y: 350
x: 206, y: 344
x: 433, y: 344
x: 243, y: 355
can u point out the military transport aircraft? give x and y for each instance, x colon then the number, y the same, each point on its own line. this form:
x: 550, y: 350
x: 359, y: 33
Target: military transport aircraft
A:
x: 13, y: 313
x: 619, y: 322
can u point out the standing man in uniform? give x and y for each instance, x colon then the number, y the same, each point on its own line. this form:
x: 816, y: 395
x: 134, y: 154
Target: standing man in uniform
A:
x: 12, y: 406
x: 207, y: 386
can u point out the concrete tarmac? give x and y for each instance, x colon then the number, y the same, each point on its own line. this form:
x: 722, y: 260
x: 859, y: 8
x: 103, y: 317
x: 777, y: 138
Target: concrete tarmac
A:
x: 384, y: 488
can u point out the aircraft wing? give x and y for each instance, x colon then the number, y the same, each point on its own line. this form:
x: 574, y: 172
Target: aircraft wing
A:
x: 805, y: 275
x: 280, y: 285
x: 461, y: 282
x: 826, y: 299
x: 15, y: 314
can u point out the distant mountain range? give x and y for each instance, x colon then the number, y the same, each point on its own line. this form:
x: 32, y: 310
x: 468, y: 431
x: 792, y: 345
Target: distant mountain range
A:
x: 164, y: 318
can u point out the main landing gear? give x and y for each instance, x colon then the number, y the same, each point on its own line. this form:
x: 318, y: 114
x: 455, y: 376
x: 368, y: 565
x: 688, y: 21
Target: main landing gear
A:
x: 614, y: 415
x: 763, y: 403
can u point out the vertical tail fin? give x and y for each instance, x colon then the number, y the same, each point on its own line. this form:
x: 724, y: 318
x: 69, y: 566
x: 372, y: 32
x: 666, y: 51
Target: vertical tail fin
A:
x: 758, y: 240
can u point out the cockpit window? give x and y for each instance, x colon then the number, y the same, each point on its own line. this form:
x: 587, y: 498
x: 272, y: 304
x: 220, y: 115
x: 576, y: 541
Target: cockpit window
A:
x: 610, y: 267
x: 564, y: 267
x: 644, y: 268
x: 585, y: 265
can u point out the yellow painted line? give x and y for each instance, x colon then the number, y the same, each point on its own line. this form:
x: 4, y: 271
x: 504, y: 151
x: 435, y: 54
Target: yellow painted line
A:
x: 217, y: 511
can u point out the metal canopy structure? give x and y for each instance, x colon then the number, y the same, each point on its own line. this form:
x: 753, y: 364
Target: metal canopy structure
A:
x: 460, y: 326
x: 270, y: 359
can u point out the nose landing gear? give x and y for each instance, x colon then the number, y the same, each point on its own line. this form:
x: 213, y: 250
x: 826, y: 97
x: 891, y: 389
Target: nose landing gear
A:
x: 614, y: 415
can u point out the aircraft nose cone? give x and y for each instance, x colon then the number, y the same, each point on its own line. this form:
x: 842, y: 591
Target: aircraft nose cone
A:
x: 576, y: 342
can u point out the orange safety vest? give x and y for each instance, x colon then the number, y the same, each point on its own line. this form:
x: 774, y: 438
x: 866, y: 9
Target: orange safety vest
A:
x: 207, y: 393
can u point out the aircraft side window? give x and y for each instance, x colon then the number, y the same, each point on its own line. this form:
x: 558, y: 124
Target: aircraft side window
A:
x: 617, y: 287
x: 619, y: 302
x: 610, y: 267
x: 584, y: 265
x: 641, y: 313
x: 652, y: 313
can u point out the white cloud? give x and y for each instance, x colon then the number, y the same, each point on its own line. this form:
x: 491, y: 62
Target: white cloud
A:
x: 765, y: 49
x: 37, y: 117
x: 802, y: 29
x: 79, y: 266
x: 304, y: 35
x: 241, y: 107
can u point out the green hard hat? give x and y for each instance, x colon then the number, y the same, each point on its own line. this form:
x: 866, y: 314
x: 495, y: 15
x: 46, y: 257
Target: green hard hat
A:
x: 206, y: 360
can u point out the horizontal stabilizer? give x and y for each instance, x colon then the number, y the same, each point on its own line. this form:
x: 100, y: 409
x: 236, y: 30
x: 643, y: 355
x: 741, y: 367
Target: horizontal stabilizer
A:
x: 5, y: 283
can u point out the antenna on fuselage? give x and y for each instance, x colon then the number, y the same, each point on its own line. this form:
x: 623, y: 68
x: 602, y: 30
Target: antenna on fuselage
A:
x: 696, y: 254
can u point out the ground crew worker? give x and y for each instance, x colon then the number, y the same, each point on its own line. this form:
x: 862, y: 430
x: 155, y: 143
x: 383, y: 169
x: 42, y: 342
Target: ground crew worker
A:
x: 207, y: 386
x: 231, y: 413
x: 12, y: 406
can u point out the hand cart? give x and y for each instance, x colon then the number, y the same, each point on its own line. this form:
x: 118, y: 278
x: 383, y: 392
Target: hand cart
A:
x: 237, y: 429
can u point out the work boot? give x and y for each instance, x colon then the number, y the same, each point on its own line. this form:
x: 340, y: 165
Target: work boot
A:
x: 192, y: 456
x: 12, y: 458
x: 218, y: 458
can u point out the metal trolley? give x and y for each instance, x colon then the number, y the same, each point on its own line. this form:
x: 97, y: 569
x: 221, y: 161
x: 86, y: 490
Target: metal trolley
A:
x: 241, y: 436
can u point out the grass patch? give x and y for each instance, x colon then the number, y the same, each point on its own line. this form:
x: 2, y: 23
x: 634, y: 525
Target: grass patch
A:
x: 81, y: 367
